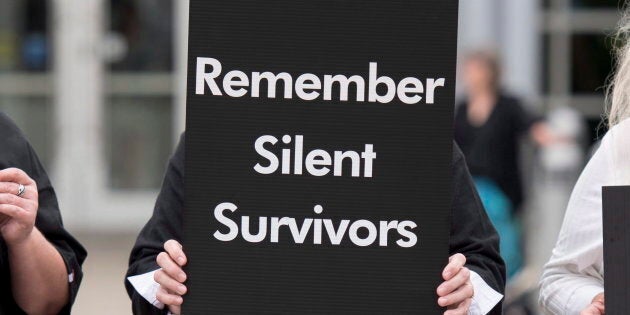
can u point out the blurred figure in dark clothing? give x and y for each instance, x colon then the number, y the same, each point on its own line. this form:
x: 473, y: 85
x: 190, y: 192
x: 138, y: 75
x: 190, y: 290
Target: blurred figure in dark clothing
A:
x: 488, y: 127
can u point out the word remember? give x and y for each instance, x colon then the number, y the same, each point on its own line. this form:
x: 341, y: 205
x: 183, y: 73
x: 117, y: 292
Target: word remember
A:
x: 314, y: 228
x: 310, y: 87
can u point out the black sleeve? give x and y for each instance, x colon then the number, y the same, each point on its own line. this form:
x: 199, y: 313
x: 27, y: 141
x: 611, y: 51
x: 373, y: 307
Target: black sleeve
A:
x: 165, y: 224
x: 48, y: 220
x: 521, y: 118
x: 472, y: 233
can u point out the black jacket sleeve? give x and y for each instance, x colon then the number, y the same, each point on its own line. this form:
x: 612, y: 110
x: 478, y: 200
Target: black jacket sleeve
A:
x: 472, y: 233
x: 519, y: 117
x: 18, y: 153
x: 165, y: 224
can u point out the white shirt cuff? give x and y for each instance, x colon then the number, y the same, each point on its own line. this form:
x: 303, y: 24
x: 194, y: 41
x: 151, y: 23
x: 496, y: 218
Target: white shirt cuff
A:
x: 146, y: 286
x: 485, y: 299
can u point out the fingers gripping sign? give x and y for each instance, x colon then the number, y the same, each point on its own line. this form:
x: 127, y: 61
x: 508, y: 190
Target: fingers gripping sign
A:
x: 597, y: 306
x: 456, y: 292
x: 18, y: 205
x: 171, y: 277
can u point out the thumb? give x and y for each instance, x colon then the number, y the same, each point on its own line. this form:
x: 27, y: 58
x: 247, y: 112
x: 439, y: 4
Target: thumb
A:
x: 175, y: 309
x: 591, y: 310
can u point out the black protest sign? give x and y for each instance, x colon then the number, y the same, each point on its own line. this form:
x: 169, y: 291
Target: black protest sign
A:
x: 616, y: 236
x: 318, y: 155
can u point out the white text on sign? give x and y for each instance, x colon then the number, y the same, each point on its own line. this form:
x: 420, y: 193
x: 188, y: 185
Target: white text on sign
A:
x: 317, y: 162
x: 309, y: 87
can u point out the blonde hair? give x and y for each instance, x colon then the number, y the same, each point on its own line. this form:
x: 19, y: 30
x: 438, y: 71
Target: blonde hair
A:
x: 618, y: 92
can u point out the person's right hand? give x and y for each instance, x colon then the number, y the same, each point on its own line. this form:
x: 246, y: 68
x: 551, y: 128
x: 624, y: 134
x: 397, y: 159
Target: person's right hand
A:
x: 18, y: 210
x: 171, y: 277
x: 596, y: 307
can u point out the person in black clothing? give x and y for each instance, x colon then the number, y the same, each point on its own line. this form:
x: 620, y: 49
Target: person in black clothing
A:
x: 488, y: 128
x: 489, y: 125
x: 40, y: 262
x: 491, y: 147
x: 473, y: 243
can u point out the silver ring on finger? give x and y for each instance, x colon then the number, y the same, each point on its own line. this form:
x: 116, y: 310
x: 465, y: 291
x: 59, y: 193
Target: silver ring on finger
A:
x: 21, y: 190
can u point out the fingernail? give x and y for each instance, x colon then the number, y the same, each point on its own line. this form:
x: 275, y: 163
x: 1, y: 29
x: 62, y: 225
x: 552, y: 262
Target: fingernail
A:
x: 442, y: 301
x: 180, y: 300
x: 182, y: 277
x: 181, y: 260
x: 447, y: 274
x: 182, y: 289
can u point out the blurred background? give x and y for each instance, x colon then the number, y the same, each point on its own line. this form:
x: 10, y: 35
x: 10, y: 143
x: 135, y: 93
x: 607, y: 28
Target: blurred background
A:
x: 98, y: 86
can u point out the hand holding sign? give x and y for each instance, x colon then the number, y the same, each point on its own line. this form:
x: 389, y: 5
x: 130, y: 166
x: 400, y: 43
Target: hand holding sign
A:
x: 596, y: 307
x: 171, y: 277
x: 17, y: 213
x: 457, y: 291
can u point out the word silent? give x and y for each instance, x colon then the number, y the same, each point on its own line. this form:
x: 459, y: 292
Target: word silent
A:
x: 310, y: 87
x: 270, y: 229
x: 317, y: 161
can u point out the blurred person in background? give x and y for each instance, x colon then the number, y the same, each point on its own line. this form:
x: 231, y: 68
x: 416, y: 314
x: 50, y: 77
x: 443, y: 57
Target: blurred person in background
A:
x: 488, y: 127
x: 573, y: 279
x: 40, y: 262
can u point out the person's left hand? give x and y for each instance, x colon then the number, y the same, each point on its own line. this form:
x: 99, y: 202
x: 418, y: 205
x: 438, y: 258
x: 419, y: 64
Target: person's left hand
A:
x: 456, y: 292
x: 597, y: 306
x: 17, y: 213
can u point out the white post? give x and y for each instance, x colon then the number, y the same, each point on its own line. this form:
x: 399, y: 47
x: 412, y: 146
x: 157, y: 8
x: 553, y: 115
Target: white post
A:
x: 478, y: 27
x: 520, y: 22
x: 78, y: 75
x: 478, y: 23
x: 181, y: 60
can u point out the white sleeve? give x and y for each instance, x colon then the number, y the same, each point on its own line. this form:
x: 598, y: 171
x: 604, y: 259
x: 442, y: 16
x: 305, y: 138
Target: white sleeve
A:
x: 574, y: 274
x: 146, y: 286
x: 485, y: 299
